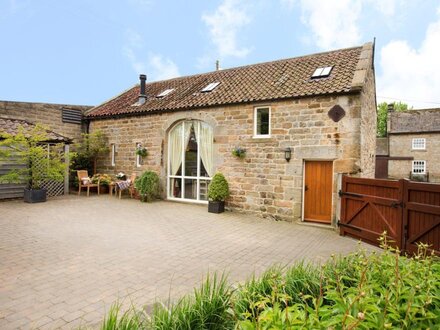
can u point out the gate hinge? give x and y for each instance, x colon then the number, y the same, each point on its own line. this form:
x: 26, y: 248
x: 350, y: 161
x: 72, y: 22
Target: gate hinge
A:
x: 397, y: 204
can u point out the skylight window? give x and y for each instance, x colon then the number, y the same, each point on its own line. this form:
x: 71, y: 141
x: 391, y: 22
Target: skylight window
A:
x: 322, y: 72
x: 165, y: 92
x: 210, y: 87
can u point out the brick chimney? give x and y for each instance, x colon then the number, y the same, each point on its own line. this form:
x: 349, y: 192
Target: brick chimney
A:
x: 142, y: 94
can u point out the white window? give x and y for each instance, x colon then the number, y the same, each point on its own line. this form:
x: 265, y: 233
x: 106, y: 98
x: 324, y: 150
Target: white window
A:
x: 210, y: 87
x: 419, y: 144
x: 138, y: 157
x: 190, y: 161
x: 165, y: 92
x: 113, y: 151
x: 322, y: 72
x: 419, y: 167
x: 262, y: 122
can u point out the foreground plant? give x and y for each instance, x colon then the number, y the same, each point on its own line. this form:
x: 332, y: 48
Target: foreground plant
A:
x: 359, y: 291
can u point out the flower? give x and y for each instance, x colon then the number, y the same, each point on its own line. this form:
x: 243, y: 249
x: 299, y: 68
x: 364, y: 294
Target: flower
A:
x: 121, y: 176
x: 239, y: 152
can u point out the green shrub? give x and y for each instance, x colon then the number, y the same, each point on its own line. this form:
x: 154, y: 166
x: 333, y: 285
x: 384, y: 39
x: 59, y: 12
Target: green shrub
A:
x: 148, y: 186
x: 208, y: 308
x: 362, y: 291
x: 128, y: 320
x: 218, y: 189
x: 359, y: 291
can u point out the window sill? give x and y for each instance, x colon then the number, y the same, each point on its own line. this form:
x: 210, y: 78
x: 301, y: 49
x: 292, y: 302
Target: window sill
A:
x: 424, y: 150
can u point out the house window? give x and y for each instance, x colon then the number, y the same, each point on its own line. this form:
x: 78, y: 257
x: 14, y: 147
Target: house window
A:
x: 190, y: 161
x: 262, y: 122
x: 419, y: 167
x: 419, y: 144
x: 138, y: 157
x: 113, y: 151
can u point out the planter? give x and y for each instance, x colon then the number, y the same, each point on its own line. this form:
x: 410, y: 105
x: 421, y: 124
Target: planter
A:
x: 35, y: 195
x: 103, y: 189
x: 216, y: 206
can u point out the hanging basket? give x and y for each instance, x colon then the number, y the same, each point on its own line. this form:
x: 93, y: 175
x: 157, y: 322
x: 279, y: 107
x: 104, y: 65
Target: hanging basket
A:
x: 142, y: 152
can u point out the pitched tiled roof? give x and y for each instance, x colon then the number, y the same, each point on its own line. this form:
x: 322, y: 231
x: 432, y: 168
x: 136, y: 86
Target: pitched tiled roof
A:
x: 415, y: 121
x: 12, y: 126
x: 280, y: 79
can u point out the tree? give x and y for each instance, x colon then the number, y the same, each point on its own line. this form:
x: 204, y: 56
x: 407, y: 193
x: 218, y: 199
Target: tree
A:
x: 382, y: 116
x: 91, y: 146
x: 29, y: 148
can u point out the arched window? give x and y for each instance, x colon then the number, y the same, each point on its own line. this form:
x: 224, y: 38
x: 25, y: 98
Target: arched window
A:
x: 190, y: 160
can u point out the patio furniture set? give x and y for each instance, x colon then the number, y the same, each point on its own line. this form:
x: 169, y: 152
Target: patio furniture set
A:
x: 117, y: 185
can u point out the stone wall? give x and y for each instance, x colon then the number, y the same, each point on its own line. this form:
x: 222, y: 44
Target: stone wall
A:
x: 368, y: 121
x: 401, y: 146
x: 263, y: 182
x: 44, y: 113
x: 382, y: 146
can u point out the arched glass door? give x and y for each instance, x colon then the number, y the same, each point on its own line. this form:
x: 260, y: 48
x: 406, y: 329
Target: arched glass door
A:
x: 190, y: 161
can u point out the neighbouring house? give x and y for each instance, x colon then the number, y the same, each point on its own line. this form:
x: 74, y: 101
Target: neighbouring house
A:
x: 303, y: 123
x: 412, y: 148
x: 64, y: 124
x: 64, y: 119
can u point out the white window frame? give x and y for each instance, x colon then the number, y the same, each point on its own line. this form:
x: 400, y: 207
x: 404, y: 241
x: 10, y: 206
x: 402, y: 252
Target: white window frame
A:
x: 183, y: 176
x: 419, y: 144
x: 113, y: 154
x: 262, y: 136
x: 417, y: 164
x: 138, y: 158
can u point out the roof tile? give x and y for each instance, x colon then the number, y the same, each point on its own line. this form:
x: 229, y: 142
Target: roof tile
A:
x: 280, y: 79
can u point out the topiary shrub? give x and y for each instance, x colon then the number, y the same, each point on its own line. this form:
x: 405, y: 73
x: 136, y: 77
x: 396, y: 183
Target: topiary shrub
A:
x: 218, y: 189
x: 148, y: 186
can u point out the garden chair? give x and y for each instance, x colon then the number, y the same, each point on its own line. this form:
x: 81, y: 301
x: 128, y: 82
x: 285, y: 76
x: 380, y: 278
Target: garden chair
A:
x: 84, y: 182
x: 127, y: 185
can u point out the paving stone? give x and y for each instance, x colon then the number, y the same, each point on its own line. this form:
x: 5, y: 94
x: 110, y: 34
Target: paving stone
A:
x: 63, y: 263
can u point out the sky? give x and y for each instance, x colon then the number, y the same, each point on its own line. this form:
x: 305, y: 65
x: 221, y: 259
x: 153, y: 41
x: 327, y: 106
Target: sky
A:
x: 85, y: 52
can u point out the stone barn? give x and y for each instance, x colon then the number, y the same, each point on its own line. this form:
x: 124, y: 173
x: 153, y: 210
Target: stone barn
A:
x: 302, y: 122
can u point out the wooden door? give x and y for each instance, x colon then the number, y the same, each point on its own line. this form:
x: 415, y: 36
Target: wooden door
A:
x: 318, y: 191
x: 381, y: 167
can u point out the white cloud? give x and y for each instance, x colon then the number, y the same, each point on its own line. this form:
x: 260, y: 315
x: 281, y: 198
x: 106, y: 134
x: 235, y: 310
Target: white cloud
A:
x: 410, y: 74
x: 335, y: 24
x: 134, y: 44
x: 162, y: 67
x: 332, y: 23
x: 224, y: 24
x: 156, y: 66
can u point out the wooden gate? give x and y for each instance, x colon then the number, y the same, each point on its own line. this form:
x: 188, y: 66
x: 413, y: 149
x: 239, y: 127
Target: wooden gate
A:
x: 408, y: 211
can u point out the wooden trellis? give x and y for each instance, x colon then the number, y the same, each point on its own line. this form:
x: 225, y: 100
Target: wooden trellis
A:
x: 53, y: 188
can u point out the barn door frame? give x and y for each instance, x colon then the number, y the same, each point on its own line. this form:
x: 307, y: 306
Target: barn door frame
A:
x: 332, y: 213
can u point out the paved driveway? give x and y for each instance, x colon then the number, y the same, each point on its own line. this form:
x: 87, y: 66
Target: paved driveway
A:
x: 64, y: 262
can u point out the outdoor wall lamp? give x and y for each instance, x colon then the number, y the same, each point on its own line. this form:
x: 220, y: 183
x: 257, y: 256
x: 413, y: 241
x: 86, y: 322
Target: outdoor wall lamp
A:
x: 288, y: 153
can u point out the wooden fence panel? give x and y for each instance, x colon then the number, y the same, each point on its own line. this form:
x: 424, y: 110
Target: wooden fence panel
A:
x: 408, y: 211
x: 421, y: 219
x: 370, y: 207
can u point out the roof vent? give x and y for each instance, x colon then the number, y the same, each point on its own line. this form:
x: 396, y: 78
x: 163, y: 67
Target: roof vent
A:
x: 165, y: 92
x: 322, y: 72
x: 210, y: 87
x: 142, y: 95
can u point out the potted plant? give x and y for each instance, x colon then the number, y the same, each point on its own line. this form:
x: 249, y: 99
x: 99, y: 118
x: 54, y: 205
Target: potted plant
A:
x: 148, y: 186
x: 239, y: 152
x: 218, y: 191
x: 141, y: 151
x: 104, y: 180
x: 35, y: 162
